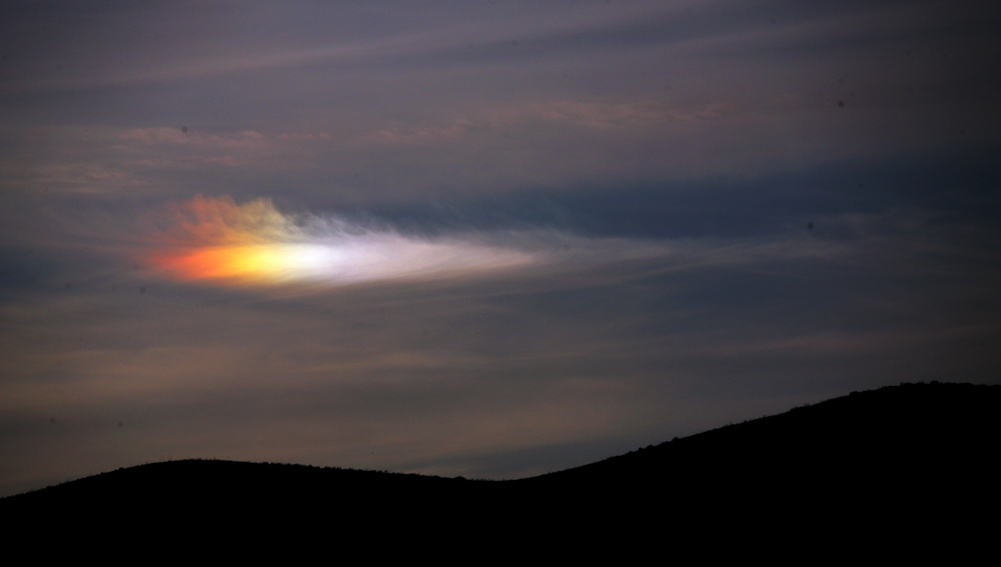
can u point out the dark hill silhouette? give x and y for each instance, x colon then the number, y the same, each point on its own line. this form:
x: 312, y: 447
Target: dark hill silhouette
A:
x: 904, y: 463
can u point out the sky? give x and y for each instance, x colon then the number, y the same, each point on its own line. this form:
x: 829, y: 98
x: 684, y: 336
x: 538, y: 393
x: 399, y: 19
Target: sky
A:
x: 489, y: 239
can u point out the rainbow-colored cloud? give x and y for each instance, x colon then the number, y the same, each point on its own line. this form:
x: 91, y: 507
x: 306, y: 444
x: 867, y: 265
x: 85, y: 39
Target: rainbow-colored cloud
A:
x: 219, y: 241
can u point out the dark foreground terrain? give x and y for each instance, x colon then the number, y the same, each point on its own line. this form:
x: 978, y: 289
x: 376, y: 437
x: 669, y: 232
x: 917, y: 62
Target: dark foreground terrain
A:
x: 903, y: 468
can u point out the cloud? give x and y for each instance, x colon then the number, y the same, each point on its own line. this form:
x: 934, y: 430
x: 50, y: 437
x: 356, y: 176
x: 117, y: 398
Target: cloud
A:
x: 217, y: 240
x: 219, y: 220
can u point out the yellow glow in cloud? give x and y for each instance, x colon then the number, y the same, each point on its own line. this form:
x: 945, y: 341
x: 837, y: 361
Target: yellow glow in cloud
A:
x: 254, y: 244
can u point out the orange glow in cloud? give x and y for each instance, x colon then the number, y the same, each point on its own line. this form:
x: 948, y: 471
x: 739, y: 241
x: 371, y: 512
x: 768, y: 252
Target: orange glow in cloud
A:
x: 254, y: 244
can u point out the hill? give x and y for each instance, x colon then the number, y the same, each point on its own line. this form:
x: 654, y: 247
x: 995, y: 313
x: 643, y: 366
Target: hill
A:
x: 895, y: 462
